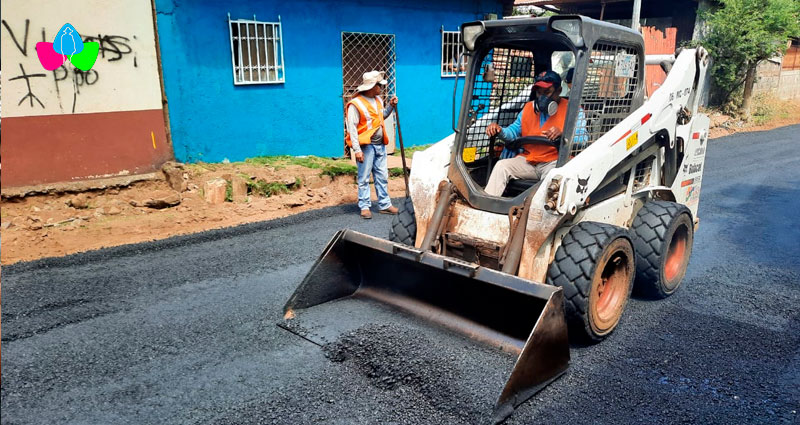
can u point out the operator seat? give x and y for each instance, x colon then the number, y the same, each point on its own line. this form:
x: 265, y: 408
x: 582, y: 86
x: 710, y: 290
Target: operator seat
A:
x: 517, y: 186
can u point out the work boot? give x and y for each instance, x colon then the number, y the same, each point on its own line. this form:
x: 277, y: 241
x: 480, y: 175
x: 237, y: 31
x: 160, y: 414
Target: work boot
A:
x: 366, y: 213
x: 391, y: 210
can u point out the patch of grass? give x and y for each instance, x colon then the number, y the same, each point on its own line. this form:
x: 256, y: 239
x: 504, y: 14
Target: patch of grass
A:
x: 281, y: 161
x: 396, y: 172
x: 267, y: 189
x: 342, y: 169
x: 203, y: 166
x: 766, y: 108
x: 265, y: 160
x: 229, y: 192
x: 410, y: 150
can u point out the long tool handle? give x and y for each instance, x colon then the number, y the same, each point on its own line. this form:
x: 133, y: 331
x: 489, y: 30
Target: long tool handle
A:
x: 402, y: 150
x: 490, y: 157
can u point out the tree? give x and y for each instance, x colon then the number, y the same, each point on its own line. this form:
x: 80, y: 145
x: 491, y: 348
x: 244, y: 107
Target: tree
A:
x: 742, y: 33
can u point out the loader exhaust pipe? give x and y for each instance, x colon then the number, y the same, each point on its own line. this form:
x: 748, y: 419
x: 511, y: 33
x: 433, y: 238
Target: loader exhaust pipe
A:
x: 519, y: 317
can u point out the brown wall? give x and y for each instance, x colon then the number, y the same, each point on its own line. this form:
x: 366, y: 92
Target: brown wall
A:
x: 657, y: 43
x: 66, y: 124
x: 65, y: 148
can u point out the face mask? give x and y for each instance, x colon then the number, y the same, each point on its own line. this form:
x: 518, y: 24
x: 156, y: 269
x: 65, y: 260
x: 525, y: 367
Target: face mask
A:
x: 545, y: 103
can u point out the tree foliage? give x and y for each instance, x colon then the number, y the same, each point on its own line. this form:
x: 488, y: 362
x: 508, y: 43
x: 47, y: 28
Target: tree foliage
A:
x: 741, y: 33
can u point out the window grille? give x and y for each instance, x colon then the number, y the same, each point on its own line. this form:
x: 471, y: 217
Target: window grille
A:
x: 364, y: 52
x: 256, y: 51
x: 612, y: 77
x: 499, y: 101
x: 452, y: 48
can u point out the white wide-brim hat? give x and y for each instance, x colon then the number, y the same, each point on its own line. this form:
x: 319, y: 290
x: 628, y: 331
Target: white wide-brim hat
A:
x: 370, y: 79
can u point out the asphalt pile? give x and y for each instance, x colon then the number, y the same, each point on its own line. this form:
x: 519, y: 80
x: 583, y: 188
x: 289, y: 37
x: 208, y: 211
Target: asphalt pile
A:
x: 390, y: 356
x: 432, y: 376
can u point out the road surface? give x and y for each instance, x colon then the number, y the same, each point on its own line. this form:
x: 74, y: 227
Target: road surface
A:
x: 182, y: 331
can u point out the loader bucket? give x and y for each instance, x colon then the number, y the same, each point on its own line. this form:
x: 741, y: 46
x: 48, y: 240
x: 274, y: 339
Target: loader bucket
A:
x: 522, y: 318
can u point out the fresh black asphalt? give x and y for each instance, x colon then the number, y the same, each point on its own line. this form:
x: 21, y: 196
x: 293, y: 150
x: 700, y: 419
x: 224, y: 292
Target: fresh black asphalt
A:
x: 182, y: 331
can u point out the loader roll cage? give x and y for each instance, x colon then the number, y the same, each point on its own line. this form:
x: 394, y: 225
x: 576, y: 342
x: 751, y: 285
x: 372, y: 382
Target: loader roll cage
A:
x: 517, y: 50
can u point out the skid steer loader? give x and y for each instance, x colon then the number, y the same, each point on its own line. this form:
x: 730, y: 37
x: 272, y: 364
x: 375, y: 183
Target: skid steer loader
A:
x: 548, y: 257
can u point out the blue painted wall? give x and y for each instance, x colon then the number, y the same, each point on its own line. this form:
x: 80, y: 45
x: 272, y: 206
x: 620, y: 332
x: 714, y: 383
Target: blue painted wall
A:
x: 211, y: 119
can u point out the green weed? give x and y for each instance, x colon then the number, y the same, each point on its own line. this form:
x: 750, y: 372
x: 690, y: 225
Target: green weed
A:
x: 766, y: 108
x: 267, y: 189
x: 229, y: 192
x: 281, y: 161
x: 343, y: 169
x: 204, y: 166
x: 410, y: 150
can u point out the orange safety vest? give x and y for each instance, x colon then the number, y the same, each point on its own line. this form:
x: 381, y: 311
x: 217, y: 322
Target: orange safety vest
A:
x: 370, y: 120
x: 530, y: 127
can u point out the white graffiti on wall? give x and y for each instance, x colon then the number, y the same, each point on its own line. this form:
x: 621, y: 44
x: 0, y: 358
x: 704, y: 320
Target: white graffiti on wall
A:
x: 113, y: 48
x: 124, y: 77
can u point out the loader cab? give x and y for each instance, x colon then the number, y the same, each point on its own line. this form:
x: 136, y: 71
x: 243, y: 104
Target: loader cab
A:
x: 503, y: 59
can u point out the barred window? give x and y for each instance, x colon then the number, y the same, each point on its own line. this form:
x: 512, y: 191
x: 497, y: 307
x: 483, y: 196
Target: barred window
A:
x: 451, y: 52
x: 256, y: 51
x: 500, y: 100
x: 612, y: 77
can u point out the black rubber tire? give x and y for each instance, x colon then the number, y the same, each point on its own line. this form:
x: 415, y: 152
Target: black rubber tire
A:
x: 404, y: 224
x: 575, y: 267
x: 653, y: 231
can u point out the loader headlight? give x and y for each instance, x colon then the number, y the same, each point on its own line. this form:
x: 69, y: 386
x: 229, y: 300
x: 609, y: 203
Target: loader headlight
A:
x: 470, y: 33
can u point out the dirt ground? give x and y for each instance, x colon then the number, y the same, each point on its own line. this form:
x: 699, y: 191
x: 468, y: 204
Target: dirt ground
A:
x: 50, y: 225
x: 38, y: 226
x: 781, y: 113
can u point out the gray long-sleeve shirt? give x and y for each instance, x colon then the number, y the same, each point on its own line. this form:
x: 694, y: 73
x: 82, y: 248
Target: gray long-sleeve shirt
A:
x: 353, y: 117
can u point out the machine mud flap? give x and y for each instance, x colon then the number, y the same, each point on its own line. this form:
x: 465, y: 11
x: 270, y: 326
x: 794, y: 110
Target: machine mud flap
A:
x: 517, y: 316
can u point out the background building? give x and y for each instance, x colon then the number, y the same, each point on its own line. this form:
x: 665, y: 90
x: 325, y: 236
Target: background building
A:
x: 667, y: 25
x: 308, y: 55
x: 68, y: 125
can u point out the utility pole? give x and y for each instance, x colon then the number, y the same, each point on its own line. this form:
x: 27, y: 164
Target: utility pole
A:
x: 637, y: 7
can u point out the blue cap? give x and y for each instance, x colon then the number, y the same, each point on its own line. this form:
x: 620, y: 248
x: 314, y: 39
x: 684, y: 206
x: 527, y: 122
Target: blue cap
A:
x: 547, y: 79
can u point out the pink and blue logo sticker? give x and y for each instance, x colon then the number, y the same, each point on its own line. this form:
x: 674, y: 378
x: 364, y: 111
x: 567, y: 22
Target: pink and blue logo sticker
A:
x: 68, y: 44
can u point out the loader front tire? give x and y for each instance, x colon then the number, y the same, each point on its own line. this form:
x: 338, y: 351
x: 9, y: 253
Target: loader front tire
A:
x: 662, y: 237
x: 404, y: 224
x: 595, y: 266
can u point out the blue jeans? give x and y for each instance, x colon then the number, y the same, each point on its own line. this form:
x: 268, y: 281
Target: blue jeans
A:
x: 374, y: 162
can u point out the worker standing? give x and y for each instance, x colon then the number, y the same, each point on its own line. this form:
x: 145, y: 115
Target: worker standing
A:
x: 367, y: 139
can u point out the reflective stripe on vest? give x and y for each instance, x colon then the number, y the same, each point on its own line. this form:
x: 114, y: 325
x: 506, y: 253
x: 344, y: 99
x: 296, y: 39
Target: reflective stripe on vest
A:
x: 370, y: 120
x: 530, y: 127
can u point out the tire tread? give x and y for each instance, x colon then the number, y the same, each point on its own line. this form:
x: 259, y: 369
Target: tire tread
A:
x: 404, y: 224
x: 574, y: 266
x: 649, y: 230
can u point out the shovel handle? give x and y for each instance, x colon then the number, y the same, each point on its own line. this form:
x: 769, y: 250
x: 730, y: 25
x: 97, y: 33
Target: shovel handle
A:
x: 402, y: 149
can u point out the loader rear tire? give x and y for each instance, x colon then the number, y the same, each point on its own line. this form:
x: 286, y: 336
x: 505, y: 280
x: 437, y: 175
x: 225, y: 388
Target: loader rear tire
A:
x: 404, y: 224
x: 595, y: 266
x: 662, y: 237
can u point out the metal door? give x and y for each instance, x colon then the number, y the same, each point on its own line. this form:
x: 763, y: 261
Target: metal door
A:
x: 364, y: 52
